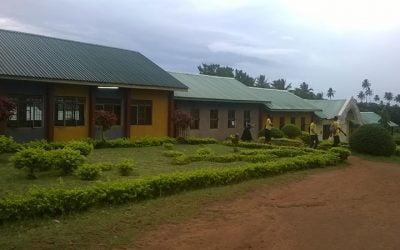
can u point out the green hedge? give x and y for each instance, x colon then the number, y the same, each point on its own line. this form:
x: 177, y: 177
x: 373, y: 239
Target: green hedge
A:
x: 291, y: 131
x: 8, y: 145
x: 397, y: 152
x: 196, y: 140
x: 132, y: 143
x: 52, y: 202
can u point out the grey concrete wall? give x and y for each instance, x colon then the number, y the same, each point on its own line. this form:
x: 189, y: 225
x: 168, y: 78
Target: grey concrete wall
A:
x: 223, y: 131
x: 26, y: 88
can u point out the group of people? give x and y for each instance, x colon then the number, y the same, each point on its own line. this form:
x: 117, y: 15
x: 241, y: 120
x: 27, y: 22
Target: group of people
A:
x: 335, y: 132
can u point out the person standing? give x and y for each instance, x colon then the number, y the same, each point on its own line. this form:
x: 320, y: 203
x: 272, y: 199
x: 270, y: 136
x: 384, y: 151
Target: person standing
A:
x: 313, y: 134
x: 336, y: 129
x: 268, y: 127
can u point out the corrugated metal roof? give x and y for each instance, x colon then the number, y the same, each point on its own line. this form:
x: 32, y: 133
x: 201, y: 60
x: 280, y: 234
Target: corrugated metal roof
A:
x: 330, y: 108
x: 282, y: 100
x: 39, y: 57
x: 214, y: 88
x: 373, y: 118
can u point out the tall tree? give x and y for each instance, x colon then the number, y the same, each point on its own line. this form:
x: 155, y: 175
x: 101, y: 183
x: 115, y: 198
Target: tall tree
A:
x: 244, y: 78
x: 365, y: 84
x: 385, y: 118
x: 361, y: 96
x: 397, y: 98
x: 304, y: 91
x: 281, y: 84
x: 388, y: 97
x: 330, y: 93
x: 262, y: 82
x: 368, y: 93
x: 319, y: 96
x: 215, y: 70
x: 377, y: 98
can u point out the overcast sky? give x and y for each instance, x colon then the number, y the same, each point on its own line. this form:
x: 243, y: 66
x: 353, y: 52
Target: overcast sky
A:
x: 324, y: 43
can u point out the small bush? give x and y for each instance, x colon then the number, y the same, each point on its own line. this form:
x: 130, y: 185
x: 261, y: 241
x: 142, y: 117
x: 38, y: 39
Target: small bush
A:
x: 105, y: 166
x: 84, y: 148
x: 397, y: 152
x: 196, y: 140
x: 277, y: 133
x: 132, y: 143
x: 172, y: 153
x: 305, y: 137
x: 31, y: 159
x: 88, y: 172
x: 126, y: 167
x: 291, y: 131
x: 341, y: 152
x: 67, y: 160
x: 372, y: 139
x: 204, y: 151
x: 287, y: 142
x: 168, y: 146
x: 8, y: 145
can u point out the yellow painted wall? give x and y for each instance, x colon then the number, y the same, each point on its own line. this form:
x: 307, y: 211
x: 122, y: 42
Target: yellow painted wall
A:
x: 72, y: 133
x: 288, y: 115
x: 159, y: 125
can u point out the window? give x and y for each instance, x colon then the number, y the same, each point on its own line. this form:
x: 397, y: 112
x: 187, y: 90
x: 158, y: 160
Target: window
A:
x: 141, y: 112
x: 110, y: 105
x: 231, y: 119
x: 303, y: 124
x: 293, y: 120
x: 246, y: 117
x: 195, y: 122
x: 28, y: 112
x: 70, y: 111
x: 214, y: 118
x: 281, y: 122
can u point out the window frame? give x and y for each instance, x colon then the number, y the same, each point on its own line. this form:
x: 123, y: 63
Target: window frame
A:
x: 23, y: 103
x: 72, y: 109
x: 214, y: 121
x: 293, y: 120
x: 138, y: 119
x: 246, y: 117
x: 231, y: 119
x: 195, y: 119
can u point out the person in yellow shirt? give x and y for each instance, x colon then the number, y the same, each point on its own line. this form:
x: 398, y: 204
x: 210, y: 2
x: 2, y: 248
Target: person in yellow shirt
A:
x: 268, y: 127
x: 313, y: 134
x: 336, y: 129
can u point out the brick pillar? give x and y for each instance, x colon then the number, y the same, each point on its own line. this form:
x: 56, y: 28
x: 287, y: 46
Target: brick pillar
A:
x: 127, y: 95
x: 92, y: 108
x: 50, y: 114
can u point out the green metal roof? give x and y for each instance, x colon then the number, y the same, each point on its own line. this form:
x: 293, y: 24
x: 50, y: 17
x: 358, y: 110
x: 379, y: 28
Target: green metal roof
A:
x: 282, y: 100
x: 28, y: 56
x: 330, y: 108
x: 373, y: 118
x: 214, y: 88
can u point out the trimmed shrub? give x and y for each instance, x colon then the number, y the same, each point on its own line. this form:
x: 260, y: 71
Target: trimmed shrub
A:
x: 84, y: 148
x: 52, y: 202
x: 88, y: 172
x: 172, y: 153
x: 287, y: 142
x: 8, y: 145
x: 372, y: 139
x: 277, y: 133
x: 397, y: 152
x: 341, y: 152
x: 31, y: 159
x: 168, y: 146
x: 291, y: 131
x: 204, y: 151
x: 305, y: 137
x: 105, y: 166
x: 132, y: 143
x: 196, y: 140
x: 67, y: 159
x: 126, y: 167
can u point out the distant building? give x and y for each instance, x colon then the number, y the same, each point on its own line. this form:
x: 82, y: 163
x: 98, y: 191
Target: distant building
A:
x: 374, y: 118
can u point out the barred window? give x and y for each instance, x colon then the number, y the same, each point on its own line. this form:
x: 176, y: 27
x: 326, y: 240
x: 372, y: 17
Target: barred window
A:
x: 141, y: 112
x: 231, y: 119
x: 195, y: 121
x: 70, y: 111
x: 214, y: 118
x: 28, y: 112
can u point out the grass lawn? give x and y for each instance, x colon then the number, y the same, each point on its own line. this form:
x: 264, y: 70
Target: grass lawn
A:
x: 114, y: 227
x: 149, y: 161
x: 391, y: 159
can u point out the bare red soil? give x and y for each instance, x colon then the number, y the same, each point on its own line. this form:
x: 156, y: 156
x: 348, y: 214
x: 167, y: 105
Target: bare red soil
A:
x: 356, y: 207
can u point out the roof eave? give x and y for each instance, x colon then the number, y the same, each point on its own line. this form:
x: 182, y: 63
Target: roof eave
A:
x: 217, y: 100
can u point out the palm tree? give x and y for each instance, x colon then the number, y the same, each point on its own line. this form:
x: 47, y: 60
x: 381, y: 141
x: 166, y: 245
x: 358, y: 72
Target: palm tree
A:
x: 368, y: 92
x: 376, y: 98
x: 262, y: 82
x: 388, y: 97
x: 397, y: 98
x: 281, y: 84
x: 361, y: 96
x: 366, y: 84
x: 331, y: 93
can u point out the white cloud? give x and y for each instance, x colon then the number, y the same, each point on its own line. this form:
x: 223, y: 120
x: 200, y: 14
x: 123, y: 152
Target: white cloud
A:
x: 251, y: 51
x: 11, y: 24
x: 219, y: 5
x: 287, y: 38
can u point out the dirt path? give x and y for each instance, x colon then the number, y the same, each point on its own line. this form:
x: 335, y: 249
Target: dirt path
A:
x: 353, y: 208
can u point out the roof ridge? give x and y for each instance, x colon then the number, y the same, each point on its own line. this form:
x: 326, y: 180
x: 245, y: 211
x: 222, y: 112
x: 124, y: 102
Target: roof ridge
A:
x: 283, y: 90
x: 198, y: 74
x: 67, y: 40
